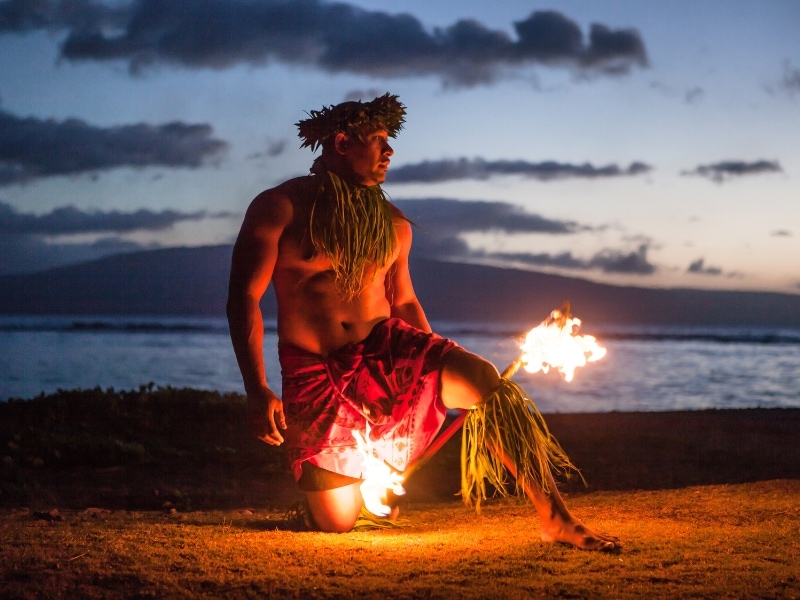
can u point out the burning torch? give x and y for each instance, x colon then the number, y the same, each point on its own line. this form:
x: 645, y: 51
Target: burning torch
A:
x: 555, y: 343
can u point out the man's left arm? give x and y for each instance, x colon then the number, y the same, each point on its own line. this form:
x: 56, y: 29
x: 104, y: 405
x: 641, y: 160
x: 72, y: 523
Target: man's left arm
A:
x: 399, y: 289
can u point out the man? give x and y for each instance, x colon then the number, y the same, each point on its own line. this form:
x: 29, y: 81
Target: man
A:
x: 354, y: 343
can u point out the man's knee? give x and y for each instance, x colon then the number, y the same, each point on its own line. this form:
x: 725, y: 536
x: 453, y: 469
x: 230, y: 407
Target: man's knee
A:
x: 466, y: 379
x: 336, y: 510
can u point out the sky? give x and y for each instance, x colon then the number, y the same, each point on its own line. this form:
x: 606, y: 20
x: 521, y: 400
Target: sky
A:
x: 652, y: 144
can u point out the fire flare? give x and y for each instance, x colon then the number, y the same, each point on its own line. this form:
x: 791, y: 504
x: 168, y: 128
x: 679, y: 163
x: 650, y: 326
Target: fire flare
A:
x: 378, y: 477
x: 555, y: 343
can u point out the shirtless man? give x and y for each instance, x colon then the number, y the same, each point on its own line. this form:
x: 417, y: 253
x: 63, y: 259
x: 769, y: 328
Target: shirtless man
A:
x: 318, y: 317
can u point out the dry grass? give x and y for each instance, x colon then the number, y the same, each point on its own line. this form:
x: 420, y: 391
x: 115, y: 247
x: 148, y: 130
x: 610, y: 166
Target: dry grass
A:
x: 710, y: 541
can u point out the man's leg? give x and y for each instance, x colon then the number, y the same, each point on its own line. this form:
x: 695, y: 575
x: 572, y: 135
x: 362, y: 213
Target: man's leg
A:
x: 466, y: 379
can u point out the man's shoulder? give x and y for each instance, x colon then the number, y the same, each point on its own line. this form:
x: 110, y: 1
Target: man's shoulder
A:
x: 283, y: 199
x: 291, y: 190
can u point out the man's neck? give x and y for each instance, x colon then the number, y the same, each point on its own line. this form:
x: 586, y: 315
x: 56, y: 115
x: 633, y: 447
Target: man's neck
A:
x: 342, y: 171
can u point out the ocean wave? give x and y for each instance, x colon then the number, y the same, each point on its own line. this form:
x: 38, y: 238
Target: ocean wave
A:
x: 718, y: 338
x: 455, y: 330
x: 718, y: 335
x: 121, y: 325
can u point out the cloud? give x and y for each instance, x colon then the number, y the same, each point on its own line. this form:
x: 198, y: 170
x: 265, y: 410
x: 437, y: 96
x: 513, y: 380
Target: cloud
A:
x: 698, y: 267
x: 273, y: 148
x: 616, y: 261
x: 20, y: 16
x: 607, y: 260
x: 442, y: 221
x: 331, y: 36
x: 781, y: 233
x: 724, y: 170
x: 445, y: 216
x: 437, y: 171
x: 791, y: 79
x: 563, y: 260
x: 694, y: 95
x: 362, y: 95
x: 32, y: 148
x: 69, y: 220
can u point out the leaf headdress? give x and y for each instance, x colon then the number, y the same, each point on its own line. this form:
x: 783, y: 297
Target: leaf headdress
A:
x: 384, y: 112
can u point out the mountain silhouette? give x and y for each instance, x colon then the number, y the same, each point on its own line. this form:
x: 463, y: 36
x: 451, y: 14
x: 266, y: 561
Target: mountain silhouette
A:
x: 193, y: 281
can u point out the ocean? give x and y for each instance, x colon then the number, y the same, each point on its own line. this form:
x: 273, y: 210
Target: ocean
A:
x: 645, y: 369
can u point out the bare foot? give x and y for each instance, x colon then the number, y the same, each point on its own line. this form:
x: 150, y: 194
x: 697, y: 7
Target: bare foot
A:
x: 575, y: 533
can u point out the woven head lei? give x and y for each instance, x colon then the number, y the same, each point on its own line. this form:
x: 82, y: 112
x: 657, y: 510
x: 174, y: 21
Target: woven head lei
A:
x: 384, y: 112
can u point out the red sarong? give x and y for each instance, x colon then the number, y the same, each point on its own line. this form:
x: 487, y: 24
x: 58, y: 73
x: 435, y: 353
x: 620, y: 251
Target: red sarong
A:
x: 389, y: 380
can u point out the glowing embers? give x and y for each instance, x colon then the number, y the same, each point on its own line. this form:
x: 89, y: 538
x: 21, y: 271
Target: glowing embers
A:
x: 379, y: 478
x: 555, y: 343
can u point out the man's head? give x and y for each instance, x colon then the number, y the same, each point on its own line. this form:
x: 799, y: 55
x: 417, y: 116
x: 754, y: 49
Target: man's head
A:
x: 354, y: 137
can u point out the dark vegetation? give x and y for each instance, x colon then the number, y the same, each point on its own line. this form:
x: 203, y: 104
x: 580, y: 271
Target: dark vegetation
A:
x: 141, y: 448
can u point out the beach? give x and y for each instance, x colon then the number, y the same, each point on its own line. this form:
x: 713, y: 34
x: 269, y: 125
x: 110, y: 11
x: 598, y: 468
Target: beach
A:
x: 161, y: 492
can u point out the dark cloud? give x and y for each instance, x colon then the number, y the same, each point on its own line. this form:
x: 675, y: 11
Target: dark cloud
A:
x: 698, y: 267
x: 781, y: 233
x: 31, y: 148
x: 69, y: 220
x: 436, y: 171
x: 724, y: 170
x: 564, y: 260
x: 332, y: 36
x: 444, y: 216
x: 616, y: 261
x: 25, y: 15
x: 607, y: 260
x: 20, y: 16
x: 441, y: 223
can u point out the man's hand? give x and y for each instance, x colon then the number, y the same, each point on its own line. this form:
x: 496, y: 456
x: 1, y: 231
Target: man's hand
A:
x: 265, y: 415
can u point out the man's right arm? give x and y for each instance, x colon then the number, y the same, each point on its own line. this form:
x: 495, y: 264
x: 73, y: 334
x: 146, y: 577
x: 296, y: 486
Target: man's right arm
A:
x: 254, y: 257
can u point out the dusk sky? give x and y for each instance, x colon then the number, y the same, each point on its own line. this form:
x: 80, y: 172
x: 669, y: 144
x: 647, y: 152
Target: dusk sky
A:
x: 654, y: 144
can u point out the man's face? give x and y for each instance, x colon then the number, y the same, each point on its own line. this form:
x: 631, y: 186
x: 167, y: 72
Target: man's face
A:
x: 368, y: 160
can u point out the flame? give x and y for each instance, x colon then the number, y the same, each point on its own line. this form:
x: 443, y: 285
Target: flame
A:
x: 555, y: 343
x: 378, y: 477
